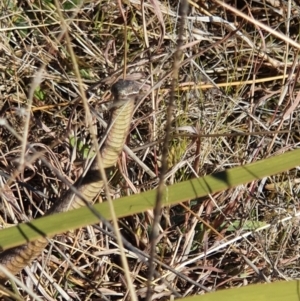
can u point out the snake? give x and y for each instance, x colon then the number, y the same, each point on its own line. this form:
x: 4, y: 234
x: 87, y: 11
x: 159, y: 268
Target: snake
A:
x: 124, y: 92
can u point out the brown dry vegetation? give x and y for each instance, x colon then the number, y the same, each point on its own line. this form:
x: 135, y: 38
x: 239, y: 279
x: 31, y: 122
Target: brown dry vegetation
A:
x: 235, y: 78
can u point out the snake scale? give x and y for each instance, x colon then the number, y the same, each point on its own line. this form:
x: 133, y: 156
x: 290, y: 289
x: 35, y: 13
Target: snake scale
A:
x: 125, y: 93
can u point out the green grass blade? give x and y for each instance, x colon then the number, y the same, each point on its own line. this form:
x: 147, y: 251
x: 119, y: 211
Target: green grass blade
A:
x: 126, y: 206
x: 276, y: 291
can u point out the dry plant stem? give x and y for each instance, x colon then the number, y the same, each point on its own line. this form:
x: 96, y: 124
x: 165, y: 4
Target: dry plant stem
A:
x: 217, y: 135
x: 259, y: 24
x: 40, y: 154
x: 161, y: 185
x: 23, y: 286
x: 194, y: 56
x: 289, y: 110
x: 89, y: 122
x: 145, y: 35
x: 113, y: 214
x: 35, y: 84
x: 144, y: 257
x: 125, y: 37
x: 114, y: 220
x: 4, y: 290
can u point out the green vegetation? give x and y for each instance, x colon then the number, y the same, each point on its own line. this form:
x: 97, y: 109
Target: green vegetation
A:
x: 231, y: 196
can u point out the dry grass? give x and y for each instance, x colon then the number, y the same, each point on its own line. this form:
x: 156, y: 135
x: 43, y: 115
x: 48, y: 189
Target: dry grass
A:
x: 235, y: 78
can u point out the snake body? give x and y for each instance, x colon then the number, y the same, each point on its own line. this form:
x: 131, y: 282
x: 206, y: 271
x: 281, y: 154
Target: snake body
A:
x: 125, y: 92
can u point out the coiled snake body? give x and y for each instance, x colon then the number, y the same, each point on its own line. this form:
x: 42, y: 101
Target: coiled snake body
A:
x: 125, y: 92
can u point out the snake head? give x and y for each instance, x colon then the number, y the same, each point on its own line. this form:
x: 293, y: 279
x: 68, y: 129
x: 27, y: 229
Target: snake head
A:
x: 124, y: 90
